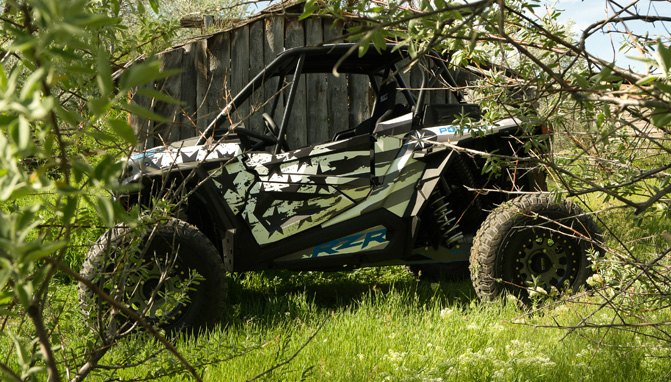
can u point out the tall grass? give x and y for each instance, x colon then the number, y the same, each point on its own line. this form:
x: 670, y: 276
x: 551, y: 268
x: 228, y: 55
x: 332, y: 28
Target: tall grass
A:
x: 377, y: 325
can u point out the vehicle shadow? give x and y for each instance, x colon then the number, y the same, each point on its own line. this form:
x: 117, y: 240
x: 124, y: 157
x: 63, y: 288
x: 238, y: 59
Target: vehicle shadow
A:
x: 267, y: 296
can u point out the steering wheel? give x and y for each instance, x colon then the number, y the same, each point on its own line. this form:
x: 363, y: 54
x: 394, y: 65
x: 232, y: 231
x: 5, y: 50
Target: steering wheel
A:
x: 271, y: 127
x: 254, y: 141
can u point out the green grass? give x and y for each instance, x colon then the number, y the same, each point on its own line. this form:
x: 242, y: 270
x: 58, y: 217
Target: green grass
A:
x: 379, y: 325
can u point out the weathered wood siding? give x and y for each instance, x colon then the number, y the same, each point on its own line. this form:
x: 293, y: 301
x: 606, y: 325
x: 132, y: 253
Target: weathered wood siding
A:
x: 215, y: 68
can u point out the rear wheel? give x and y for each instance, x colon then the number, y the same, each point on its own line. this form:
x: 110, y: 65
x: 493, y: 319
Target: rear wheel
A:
x: 171, y: 276
x: 534, y: 241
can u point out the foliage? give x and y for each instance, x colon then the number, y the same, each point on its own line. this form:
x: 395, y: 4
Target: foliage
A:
x: 63, y: 135
x: 63, y: 128
x: 172, y: 12
x: 611, y: 125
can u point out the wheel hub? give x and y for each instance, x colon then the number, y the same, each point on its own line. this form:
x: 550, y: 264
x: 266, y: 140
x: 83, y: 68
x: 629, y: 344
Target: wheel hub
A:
x: 540, y: 263
x: 544, y: 258
x: 155, y: 289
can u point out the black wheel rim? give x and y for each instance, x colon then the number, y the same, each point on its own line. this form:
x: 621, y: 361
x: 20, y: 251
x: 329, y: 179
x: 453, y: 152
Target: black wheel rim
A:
x: 156, y: 289
x: 540, y: 256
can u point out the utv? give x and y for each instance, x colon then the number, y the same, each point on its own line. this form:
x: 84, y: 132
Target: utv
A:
x: 405, y: 186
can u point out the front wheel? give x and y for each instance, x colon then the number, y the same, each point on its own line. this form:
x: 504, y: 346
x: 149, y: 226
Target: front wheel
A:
x: 170, y: 274
x: 533, y: 241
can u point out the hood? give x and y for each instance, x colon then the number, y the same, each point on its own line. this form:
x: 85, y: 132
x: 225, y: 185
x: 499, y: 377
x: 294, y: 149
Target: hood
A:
x: 178, y: 155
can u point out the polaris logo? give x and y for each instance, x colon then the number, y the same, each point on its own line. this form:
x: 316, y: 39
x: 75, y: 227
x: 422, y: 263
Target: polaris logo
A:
x: 352, y: 243
x: 448, y: 130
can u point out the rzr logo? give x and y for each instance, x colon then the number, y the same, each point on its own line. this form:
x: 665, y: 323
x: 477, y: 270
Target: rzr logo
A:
x: 359, y: 241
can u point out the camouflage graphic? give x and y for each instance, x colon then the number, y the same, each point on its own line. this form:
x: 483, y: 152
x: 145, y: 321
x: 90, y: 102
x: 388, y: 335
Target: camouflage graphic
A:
x: 279, y: 195
x: 158, y: 159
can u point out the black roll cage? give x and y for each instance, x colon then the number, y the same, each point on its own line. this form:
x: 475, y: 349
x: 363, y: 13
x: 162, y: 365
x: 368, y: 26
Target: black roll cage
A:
x: 324, y: 59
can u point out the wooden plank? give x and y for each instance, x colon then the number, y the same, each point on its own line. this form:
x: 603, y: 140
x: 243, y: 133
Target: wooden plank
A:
x: 164, y: 133
x: 142, y: 127
x: 358, y: 99
x: 219, y: 56
x: 333, y: 30
x: 187, y: 113
x: 240, y: 69
x: 216, y: 72
x: 202, y: 84
x: 317, y: 90
x: 226, y: 64
x: 256, y: 64
x: 273, y: 44
x: 336, y: 100
x: 296, y: 129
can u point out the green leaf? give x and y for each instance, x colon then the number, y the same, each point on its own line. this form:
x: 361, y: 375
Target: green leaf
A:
x: 154, y: 5
x: 104, y: 76
x: 23, y: 43
x: 142, y: 112
x: 101, y: 136
x: 144, y: 73
x: 32, y: 84
x: 22, y: 350
x: 666, y: 88
x: 308, y: 9
x: 67, y: 116
x: 663, y: 58
x: 646, y: 80
x: 661, y: 118
x: 379, y: 41
x: 44, y: 250
x: 105, y: 210
x: 102, y: 169
x: 581, y: 81
x: 80, y: 168
x: 116, y: 7
x: 123, y: 130
x: 96, y: 21
x: 3, y: 78
x: 159, y: 96
x: 27, y: 220
x: 642, y: 59
x: 69, y: 209
x: 20, y: 133
x: 5, y: 297
x: 5, y: 273
x: 24, y: 293
x: 98, y: 106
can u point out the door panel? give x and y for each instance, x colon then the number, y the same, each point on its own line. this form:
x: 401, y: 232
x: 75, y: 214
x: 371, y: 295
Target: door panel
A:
x: 303, y: 188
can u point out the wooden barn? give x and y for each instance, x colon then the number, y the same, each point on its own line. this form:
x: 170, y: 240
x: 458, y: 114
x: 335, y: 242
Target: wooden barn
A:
x: 215, y: 67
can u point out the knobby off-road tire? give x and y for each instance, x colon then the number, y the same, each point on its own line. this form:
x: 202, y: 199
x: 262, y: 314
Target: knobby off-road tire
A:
x: 533, y: 240
x: 169, y: 256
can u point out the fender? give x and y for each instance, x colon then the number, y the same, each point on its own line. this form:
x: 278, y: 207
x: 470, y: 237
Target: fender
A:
x: 436, y: 163
x: 205, y: 207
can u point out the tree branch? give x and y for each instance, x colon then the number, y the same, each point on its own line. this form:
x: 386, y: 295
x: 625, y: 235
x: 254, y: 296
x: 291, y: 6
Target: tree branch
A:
x: 128, y: 312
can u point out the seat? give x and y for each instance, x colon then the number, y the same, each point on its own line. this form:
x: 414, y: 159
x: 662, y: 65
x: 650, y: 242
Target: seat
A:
x: 385, y: 101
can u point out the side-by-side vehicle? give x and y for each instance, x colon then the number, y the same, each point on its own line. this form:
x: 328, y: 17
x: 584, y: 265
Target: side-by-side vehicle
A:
x: 404, y: 186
